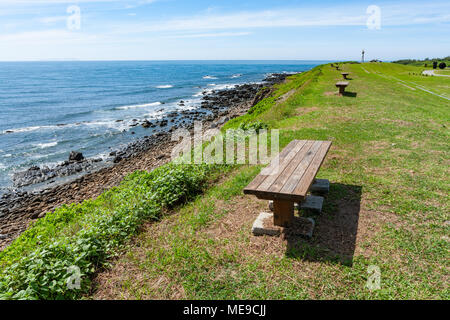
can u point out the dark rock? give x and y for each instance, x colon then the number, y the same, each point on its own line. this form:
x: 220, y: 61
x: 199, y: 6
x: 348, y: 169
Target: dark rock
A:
x: 146, y: 124
x: 76, y: 156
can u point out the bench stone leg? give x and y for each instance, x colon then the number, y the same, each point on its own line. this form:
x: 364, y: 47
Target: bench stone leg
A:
x: 260, y: 229
x: 320, y: 186
x: 341, y: 90
x: 263, y: 226
x: 283, y: 213
x: 312, y: 203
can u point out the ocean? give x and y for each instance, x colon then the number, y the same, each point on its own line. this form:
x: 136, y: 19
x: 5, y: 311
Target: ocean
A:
x: 50, y: 108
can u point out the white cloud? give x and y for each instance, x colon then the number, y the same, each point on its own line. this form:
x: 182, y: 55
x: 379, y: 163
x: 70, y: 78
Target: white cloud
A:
x: 295, y: 17
x: 258, y: 19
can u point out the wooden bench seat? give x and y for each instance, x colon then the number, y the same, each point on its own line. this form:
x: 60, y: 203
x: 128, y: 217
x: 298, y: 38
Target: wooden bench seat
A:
x: 341, y: 85
x: 345, y: 75
x: 289, y: 177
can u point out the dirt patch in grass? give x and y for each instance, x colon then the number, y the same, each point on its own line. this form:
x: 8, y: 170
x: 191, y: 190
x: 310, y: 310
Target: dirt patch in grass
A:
x: 399, y: 122
x: 338, y: 232
x: 303, y: 111
x: 286, y: 96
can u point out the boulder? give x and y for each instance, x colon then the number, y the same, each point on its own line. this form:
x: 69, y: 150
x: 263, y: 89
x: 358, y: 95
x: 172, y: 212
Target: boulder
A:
x: 146, y: 124
x: 76, y: 156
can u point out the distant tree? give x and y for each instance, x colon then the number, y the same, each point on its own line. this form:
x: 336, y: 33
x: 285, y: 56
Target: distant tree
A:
x: 426, y: 65
x: 442, y: 65
x: 434, y: 65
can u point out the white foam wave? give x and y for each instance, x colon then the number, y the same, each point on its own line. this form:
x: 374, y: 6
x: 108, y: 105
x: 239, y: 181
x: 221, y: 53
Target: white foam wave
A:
x: 145, y: 105
x: 209, y: 77
x: 225, y: 86
x: 236, y: 76
x: 187, y: 107
x: 27, y: 129
x: 213, y: 86
x: 156, y: 115
x: 164, y: 86
x: 2, y: 166
x: 110, y: 124
x: 46, y: 145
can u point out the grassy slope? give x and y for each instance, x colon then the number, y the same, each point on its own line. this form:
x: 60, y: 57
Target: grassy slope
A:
x: 388, y: 204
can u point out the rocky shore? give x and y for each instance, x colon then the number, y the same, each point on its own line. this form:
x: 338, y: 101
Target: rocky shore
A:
x: 88, y: 178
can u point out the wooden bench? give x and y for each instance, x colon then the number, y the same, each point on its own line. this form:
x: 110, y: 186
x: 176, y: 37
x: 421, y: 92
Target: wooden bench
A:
x: 342, y: 85
x: 345, y: 75
x: 289, y: 177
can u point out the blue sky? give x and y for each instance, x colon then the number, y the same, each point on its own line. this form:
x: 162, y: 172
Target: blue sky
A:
x: 222, y: 30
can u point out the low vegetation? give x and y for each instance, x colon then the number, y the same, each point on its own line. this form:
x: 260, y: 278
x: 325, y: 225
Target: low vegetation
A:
x: 37, y: 264
x: 427, y: 62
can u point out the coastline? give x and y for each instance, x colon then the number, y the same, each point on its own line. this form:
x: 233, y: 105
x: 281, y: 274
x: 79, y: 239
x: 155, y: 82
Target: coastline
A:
x: 19, y: 209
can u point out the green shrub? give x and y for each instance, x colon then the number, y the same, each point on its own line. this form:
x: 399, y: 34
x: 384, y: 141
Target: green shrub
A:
x: 257, y: 126
x: 37, y: 264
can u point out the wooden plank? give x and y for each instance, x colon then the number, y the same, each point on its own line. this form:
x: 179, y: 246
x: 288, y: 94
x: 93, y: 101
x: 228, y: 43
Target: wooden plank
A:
x: 285, y: 162
x: 284, y: 176
x: 261, y: 177
x: 298, y: 173
x: 311, y: 172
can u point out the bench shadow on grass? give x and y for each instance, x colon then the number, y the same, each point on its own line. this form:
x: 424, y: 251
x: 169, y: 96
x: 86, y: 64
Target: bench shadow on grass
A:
x: 334, y: 237
x: 350, y: 94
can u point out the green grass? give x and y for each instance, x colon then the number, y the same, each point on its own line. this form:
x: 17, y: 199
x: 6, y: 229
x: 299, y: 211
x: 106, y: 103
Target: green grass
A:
x: 445, y: 72
x: 389, y: 160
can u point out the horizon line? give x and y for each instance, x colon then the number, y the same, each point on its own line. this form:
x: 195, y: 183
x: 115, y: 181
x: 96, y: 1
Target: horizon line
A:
x: 168, y: 60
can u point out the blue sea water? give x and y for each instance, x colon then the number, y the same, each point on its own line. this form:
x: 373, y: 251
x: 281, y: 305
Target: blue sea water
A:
x: 48, y: 109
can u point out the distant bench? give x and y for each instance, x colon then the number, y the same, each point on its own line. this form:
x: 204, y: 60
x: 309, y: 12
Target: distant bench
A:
x: 342, y: 85
x: 289, y: 177
x: 345, y: 75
